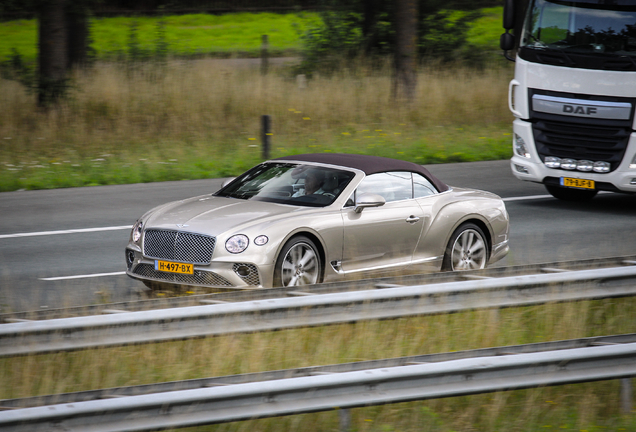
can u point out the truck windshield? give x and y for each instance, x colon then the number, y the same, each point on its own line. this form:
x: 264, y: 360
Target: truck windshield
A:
x: 581, y: 27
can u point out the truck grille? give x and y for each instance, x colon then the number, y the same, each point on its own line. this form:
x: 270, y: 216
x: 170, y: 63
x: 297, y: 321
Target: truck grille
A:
x: 202, y: 278
x: 581, y: 141
x: 178, y: 246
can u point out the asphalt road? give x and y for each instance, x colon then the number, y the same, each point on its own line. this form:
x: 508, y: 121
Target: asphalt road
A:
x: 53, y: 266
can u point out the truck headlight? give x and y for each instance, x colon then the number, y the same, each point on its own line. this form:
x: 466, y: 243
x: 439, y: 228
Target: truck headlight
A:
x: 520, y: 147
x: 552, y: 162
x: 601, y: 167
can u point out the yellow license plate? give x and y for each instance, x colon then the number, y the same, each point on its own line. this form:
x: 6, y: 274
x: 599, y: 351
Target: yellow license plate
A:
x: 577, y: 183
x: 172, y: 267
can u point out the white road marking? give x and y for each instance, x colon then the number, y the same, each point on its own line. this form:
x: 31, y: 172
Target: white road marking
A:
x: 87, y: 230
x: 83, y: 276
x: 71, y: 231
x: 127, y: 227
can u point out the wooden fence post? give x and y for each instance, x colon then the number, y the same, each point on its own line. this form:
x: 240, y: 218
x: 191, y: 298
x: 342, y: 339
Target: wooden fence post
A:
x: 264, y: 55
x: 266, y: 128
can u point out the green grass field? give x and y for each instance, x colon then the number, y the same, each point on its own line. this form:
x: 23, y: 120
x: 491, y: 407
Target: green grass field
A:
x: 185, y: 35
x: 236, y: 34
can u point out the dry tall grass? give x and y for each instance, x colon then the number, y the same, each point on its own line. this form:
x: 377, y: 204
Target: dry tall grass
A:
x: 591, y: 407
x: 113, y: 108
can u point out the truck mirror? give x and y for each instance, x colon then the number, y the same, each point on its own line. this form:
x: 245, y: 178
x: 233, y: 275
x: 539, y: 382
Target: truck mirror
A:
x: 509, y: 15
x: 507, y: 41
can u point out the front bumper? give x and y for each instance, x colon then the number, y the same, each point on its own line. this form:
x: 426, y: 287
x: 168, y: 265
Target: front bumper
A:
x: 228, y: 275
x: 499, y: 251
x: 623, y: 179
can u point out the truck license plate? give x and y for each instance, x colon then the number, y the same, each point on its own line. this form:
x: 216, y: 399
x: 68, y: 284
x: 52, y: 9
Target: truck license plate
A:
x: 577, y: 183
x: 172, y: 267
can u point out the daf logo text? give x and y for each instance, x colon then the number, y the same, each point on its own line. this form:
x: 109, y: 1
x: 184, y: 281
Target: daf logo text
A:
x: 577, y: 109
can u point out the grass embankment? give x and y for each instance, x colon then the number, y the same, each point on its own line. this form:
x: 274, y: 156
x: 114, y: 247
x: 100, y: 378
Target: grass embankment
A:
x: 201, y: 119
x: 591, y: 407
x: 228, y: 35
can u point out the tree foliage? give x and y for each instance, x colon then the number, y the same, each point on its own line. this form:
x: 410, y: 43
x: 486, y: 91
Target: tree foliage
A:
x: 352, y: 28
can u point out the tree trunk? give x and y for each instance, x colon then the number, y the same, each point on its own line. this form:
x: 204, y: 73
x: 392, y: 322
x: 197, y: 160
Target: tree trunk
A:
x: 77, y: 19
x: 53, y: 46
x: 368, y: 24
x: 405, y: 75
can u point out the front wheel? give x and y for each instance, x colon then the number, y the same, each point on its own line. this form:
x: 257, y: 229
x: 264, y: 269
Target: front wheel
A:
x: 298, y: 263
x: 467, y: 249
x: 567, y: 194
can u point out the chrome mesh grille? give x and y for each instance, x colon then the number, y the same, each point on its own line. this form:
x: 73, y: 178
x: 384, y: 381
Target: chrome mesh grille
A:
x: 203, y: 278
x: 251, y: 278
x: 178, y: 246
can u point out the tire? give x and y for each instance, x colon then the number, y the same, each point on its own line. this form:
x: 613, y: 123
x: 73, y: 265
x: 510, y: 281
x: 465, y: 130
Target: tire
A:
x: 574, y: 195
x: 299, y: 263
x: 467, y: 249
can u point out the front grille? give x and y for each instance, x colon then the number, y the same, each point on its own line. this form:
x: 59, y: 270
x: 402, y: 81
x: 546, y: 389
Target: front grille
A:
x: 247, y: 272
x: 581, y: 141
x: 178, y: 246
x: 203, y: 278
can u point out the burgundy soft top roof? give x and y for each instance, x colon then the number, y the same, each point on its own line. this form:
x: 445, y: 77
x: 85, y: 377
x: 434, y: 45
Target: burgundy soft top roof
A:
x: 368, y: 164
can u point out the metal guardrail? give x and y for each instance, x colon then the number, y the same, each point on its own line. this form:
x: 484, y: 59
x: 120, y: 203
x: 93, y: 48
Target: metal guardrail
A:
x: 118, y: 392
x: 329, y: 392
x: 198, y: 321
x: 169, y: 300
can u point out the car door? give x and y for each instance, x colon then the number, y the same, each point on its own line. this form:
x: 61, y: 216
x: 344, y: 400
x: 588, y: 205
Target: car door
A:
x: 384, y: 236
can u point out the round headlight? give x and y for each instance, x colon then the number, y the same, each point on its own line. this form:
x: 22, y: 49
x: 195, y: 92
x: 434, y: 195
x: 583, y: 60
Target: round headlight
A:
x: 136, y: 231
x: 568, y: 164
x: 552, y: 162
x: 237, y: 244
x: 261, y: 240
x: 601, y: 167
x: 584, y: 165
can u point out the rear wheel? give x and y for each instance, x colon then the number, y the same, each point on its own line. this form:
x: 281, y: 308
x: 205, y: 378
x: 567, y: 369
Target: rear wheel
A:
x: 567, y: 194
x: 467, y: 249
x: 299, y: 263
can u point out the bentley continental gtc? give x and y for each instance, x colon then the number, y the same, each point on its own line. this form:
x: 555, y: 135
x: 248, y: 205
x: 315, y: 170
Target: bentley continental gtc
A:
x: 306, y: 219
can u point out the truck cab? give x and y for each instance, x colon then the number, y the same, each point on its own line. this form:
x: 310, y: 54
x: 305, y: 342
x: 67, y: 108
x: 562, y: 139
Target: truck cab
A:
x: 573, y: 94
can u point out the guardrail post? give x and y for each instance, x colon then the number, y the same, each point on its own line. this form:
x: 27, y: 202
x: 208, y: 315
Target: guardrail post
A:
x: 626, y: 395
x: 264, y: 55
x: 266, y: 128
x: 345, y: 419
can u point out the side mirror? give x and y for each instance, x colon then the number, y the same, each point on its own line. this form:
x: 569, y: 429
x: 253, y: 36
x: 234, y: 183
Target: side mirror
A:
x: 509, y: 15
x: 227, y: 182
x: 368, y: 200
x: 507, y: 41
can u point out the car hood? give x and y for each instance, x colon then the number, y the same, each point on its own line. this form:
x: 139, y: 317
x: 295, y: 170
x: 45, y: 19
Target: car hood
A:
x: 214, y: 215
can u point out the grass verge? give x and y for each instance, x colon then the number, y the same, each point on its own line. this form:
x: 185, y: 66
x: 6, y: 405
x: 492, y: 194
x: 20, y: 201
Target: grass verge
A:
x: 201, y: 118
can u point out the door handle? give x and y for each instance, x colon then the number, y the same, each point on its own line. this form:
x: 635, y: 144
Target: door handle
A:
x: 412, y: 219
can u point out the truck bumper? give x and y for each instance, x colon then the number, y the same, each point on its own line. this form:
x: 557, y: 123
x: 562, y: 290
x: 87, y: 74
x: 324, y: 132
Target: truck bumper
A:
x: 532, y: 168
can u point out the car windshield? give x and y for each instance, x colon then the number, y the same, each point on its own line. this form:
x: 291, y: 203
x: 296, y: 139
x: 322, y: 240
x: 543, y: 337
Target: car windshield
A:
x: 289, y: 183
x: 581, y: 26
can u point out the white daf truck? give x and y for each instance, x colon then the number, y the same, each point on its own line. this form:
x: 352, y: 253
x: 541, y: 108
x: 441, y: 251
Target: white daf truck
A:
x: 573, y: 94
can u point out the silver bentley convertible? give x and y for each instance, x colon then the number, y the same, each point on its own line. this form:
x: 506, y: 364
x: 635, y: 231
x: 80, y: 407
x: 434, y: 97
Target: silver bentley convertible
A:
x: 314, y: 218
